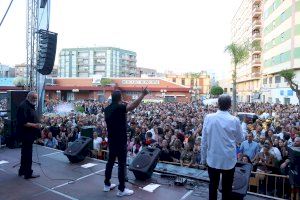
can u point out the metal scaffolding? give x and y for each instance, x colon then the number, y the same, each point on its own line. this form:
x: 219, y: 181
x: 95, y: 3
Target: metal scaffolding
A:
x: 32, y: 12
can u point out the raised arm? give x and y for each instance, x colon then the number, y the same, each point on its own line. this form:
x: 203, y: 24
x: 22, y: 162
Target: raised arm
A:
x: 137, y: 102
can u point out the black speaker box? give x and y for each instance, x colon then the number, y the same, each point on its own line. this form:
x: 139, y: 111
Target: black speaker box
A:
x: 144, y: 163
x: 78, y: 150
x: 14, y: 99
x: 46, y: 52
x: 87, y: 131
x: 240, y: 181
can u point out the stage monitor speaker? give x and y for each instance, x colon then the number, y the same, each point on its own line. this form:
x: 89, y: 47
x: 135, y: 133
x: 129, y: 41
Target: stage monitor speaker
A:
x: 144, y: 163
x: 240, y: 181
x: 78, y: 150
x: 87, y: 131
x: 46, y: 52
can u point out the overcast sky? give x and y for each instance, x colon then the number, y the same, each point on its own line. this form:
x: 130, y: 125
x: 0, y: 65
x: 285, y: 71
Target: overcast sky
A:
x: 177, y: 35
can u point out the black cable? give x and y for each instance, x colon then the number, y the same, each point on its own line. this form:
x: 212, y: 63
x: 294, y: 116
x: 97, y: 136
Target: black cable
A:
x: 53, y: 179
x: 6, y: 12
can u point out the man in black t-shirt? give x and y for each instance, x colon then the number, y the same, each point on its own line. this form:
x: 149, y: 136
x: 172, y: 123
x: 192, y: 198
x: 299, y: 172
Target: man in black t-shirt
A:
x: 115, y: 117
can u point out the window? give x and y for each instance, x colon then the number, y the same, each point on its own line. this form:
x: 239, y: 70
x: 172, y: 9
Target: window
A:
x: 174, y: 80
x: 270, y: 80
x: 192, y: 81
x: 282, y: 36
x: 183, y: 81
x: 225, y: 90
x: 230, y: 89
x: 277, y: 79
x: 282, y: 16
x: 265, y: 81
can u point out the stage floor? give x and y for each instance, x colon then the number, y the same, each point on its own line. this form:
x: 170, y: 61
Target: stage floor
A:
x: 62, y: 180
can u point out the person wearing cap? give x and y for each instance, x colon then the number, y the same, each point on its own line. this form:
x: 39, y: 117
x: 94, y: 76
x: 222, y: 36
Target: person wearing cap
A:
x: 221, y: 131
x: 115, y: 117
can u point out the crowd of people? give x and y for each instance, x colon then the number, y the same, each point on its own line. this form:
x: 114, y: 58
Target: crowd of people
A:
x: 176, y: 129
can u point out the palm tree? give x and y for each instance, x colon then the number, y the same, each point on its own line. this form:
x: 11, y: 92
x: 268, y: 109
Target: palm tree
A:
x: 195, y: 76
x: 239, y: 54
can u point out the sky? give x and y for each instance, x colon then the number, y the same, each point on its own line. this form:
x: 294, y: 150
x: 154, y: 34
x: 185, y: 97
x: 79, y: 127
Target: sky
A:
x: 173, y: 35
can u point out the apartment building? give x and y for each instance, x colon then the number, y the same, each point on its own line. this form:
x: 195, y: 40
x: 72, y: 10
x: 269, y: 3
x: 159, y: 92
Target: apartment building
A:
x: 281, y: 49
x: 246, y: 29
x: 97, y: 61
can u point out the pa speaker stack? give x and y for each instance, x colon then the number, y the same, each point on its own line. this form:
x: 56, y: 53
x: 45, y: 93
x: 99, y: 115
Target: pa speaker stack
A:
x: 14, y: 99
x: 144, y: 163
x: 78, y: 150
x: 46, y: 51
x: 240, y: 180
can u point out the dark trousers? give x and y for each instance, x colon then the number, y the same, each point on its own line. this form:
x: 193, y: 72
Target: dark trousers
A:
x: 26, y: 159
x: 227, y: 180
x: 121, y: 153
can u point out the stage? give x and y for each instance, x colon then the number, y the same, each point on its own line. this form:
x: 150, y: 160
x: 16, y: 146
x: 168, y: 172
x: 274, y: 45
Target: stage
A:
x: 61, y: 180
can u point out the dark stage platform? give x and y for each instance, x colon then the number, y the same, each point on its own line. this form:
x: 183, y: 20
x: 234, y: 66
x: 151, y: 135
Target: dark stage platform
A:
x: 62, y: 180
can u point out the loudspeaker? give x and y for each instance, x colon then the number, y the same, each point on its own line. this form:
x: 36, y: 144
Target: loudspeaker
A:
x: 144, y: 163
x: 14, y: 99
x: 87, y: 131
x: 78, y: 149
x: 46, y: 52
x: 241, y: 178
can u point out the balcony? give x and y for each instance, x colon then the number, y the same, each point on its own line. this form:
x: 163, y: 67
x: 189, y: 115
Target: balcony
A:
x: 256, y: 12
x: 256, y: 75
x: 256, y: 62
x: 255, y: 2
x: 256, y: 37
x: 256, y: 24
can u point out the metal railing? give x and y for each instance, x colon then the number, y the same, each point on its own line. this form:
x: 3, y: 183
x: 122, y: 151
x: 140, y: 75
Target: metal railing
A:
x: 260, y: 184
x: 269, y: 185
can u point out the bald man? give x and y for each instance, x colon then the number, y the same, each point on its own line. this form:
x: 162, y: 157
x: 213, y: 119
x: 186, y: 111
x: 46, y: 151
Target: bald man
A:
x: 28, y: 128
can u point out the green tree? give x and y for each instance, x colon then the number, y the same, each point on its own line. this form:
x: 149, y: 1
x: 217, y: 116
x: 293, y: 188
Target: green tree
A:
x: 216, y: 90
x: 195, y: 76
x: 104, y: 82
x: 19, y: 81
x: 289, y: 76
x: 239, y: 54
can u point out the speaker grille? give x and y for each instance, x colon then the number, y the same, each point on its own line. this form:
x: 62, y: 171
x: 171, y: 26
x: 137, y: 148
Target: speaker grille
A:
x: 141, y: 161
x: 239, y: 180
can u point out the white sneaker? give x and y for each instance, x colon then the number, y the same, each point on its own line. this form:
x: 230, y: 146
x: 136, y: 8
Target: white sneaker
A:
x: 126, y: 192
x: 107, y: 188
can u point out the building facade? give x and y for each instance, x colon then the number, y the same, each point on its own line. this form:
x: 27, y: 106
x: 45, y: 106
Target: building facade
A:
x: 199, y: 83
x: 247, y: 29
x: 97, y: 61
x: 146, y: 72
x: 6, y: 71
x: 281, y: 49
x: 20, y: 70
x: 84, y: 89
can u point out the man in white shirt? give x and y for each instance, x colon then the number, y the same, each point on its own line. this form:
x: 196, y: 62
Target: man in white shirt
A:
x: 221, y: 131
x: 96, y: 141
